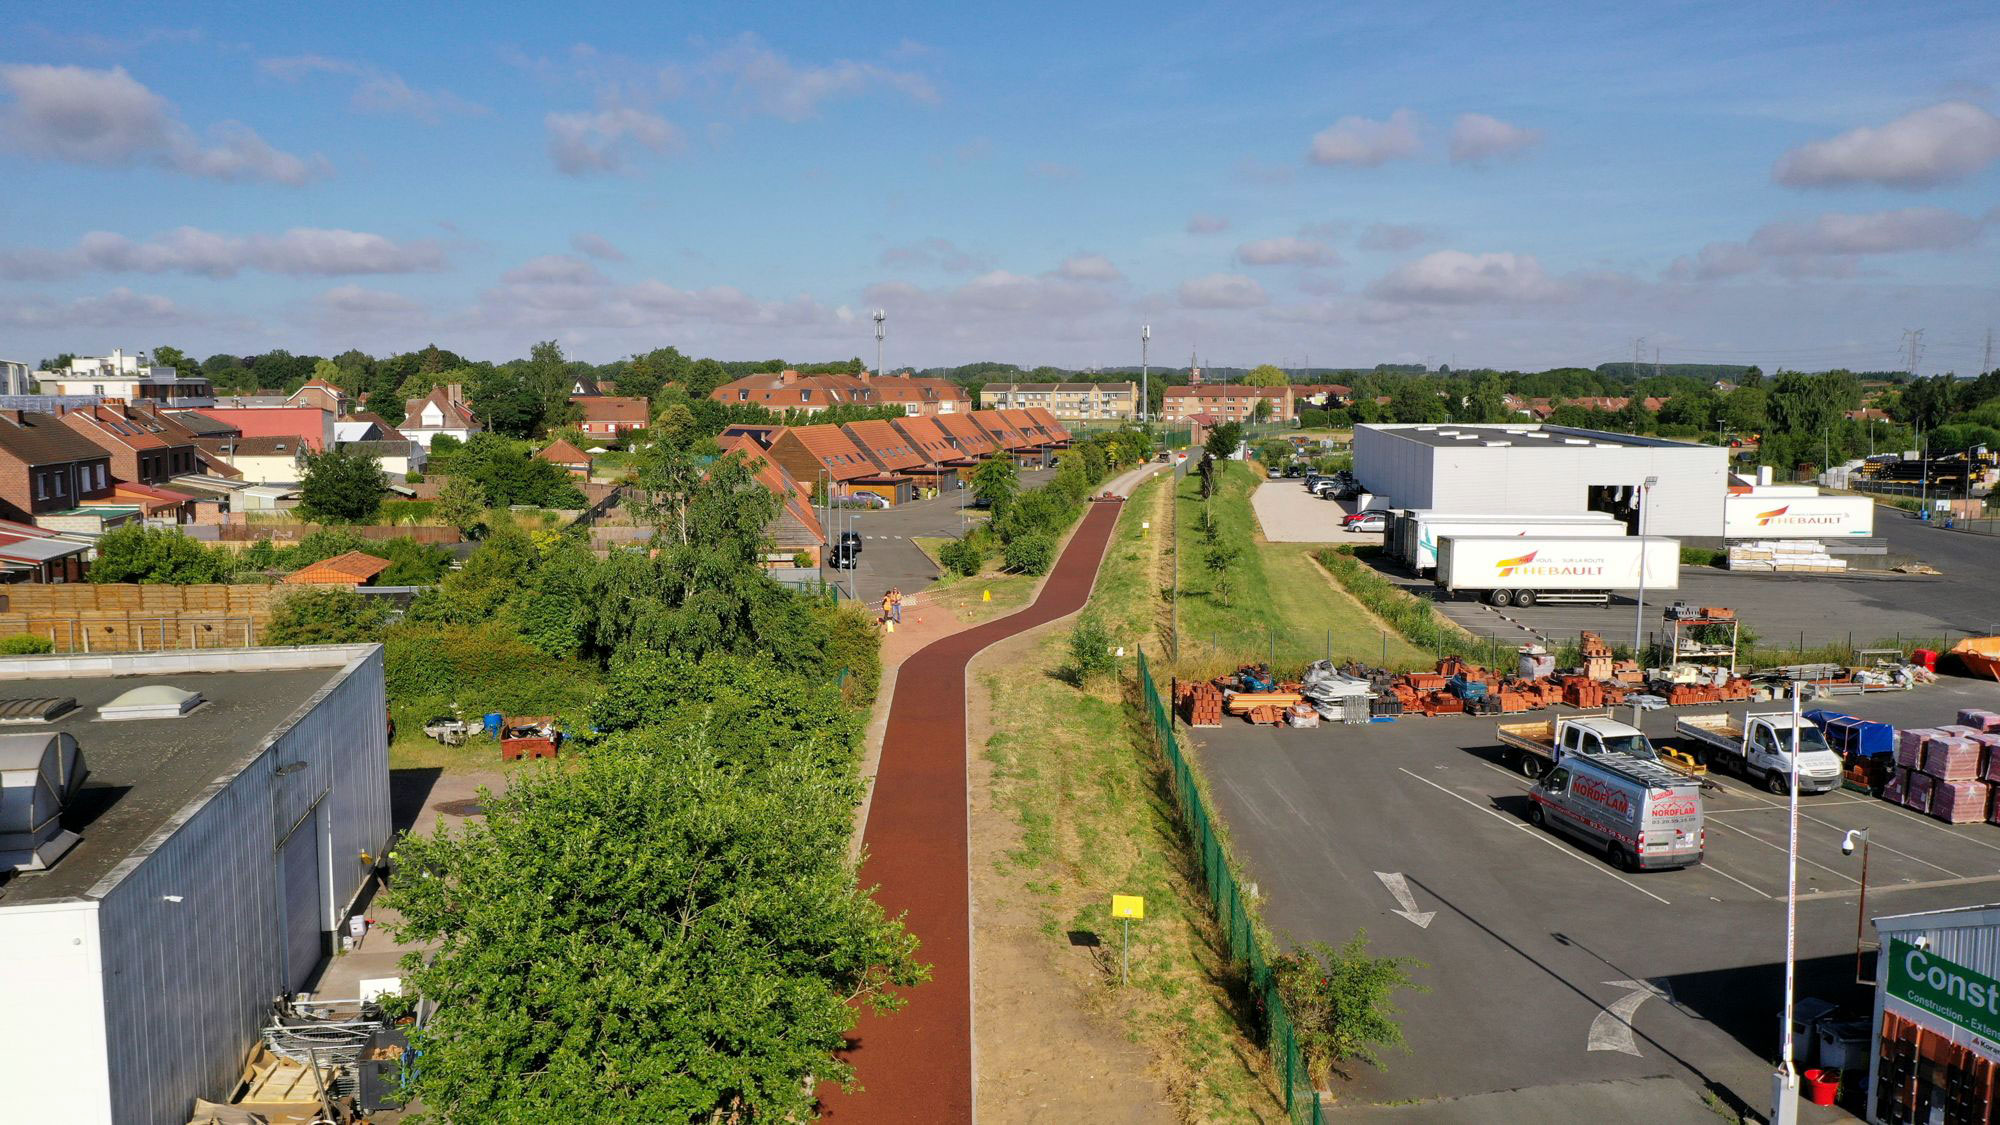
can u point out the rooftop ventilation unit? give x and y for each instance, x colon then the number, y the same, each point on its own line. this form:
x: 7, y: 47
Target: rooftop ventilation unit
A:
x: 39, y: 710
x: 1577, y: 441
x: 1496, y: 443
x: 39, y: 773
x: 154, y: 701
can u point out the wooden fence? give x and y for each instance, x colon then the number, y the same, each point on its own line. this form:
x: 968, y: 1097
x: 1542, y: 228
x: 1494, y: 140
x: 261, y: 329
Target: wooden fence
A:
x: 116, y: 617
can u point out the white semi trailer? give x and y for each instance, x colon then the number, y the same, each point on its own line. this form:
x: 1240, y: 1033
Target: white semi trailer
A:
x: 1416, y: 535
x: 1509, y: 570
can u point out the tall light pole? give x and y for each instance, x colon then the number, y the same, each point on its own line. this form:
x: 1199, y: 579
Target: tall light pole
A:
x: 1639, y: 621
x: 881, y: 331
x: 1861, y: 911
x: 1145, y: 369
x: 1785, y: 1081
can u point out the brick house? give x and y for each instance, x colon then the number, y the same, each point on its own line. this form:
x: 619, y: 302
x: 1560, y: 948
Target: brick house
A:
x: 47, y: 467
x: 611, y: 415
x: 147, y: 452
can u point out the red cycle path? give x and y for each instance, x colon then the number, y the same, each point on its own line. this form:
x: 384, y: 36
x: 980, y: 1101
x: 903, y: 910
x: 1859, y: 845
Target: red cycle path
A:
x: 916, y: 1063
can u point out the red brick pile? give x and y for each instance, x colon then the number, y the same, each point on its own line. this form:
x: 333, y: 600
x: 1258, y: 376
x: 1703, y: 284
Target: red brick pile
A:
x: 1951, y: 772
x: 1199, y: 702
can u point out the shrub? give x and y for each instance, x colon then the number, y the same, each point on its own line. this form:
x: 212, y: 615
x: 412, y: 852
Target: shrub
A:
x: 1031, y: 554
x: 1703, y: 556
x: 25, y: 644
x: 963, y: 556
x: 1340, y: 1000
x: 326, y: 615
x: 1090, y: 655
x: 1407, y: 614
x: 802, y: 560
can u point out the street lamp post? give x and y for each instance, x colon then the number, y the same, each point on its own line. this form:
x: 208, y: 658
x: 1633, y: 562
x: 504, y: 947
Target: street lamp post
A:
x: 1639, y: 619
x: 1785, y: 1081
x: 1847, y: 843
x: 1145, y: 369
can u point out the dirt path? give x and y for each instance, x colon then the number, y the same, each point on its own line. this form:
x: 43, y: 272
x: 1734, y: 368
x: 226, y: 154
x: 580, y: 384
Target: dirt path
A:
x: 1042, y: 1055
x: 916, y: 1064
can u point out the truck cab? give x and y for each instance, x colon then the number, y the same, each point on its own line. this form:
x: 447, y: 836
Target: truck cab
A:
x: 1593, y: 735
x: 1760, y: 748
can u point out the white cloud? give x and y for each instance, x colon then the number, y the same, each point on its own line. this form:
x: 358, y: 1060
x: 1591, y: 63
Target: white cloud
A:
x: 1475, y: 137
x: 108, y: 119
x: 934, y: 253
x: 301, y: 251
x: 760, y: 80
x: 1364, y: 143
x: 1931, y: 146
x: 1207, y: 224
x: 1088, y: 267
x: 120, y: 308
x: 353, y: 302
x: 1286, y: 252
x: 1827, y: 245
x: 1222, y: 291
x: 375, y: 90
x: 1392, y: 236
x: 1454, y: 277
x: 596, y: 246
x: 595, y: 141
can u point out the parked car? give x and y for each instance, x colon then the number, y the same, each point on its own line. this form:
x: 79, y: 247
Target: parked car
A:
x: 845, y: 554
x: 1374, y: 519
x: 1294, y: 471
x: 864, y: 500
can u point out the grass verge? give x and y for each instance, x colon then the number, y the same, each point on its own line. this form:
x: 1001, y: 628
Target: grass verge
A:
x: 1077, y: 770
x: 1276, y: 604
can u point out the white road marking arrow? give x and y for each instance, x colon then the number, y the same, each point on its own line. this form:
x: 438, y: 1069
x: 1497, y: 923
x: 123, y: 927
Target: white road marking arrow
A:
x: 1612, y: 1029
x: 1400, y: 887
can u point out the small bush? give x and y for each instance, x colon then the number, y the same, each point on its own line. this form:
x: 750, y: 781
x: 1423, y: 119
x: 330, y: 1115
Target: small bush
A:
x: 1090, y: 655
x: 326, y: 615
x: 1031, y: 554
x: 24, y: 644
x: 803, y: 560
x: 1341, y: 1001
x: 1703, y: 556
x: 963, y: 556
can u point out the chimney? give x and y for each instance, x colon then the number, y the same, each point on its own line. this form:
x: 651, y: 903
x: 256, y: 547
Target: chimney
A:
x: 787, y: 377
x: 455, y: 394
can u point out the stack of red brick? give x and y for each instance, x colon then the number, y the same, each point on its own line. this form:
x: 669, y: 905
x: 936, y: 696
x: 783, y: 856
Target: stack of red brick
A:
x: 1951, y: 772
x: 1735, y: 691
x: 1199, y: 702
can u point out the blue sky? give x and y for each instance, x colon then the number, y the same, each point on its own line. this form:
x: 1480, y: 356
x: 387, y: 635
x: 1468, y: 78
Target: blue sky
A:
x: 1518, y: 185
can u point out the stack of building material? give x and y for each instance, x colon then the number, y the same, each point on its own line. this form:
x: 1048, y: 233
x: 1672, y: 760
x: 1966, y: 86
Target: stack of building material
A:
x: 1917, y: 794
x: 1897, y: 788
x: 1983, y: 721
x: 1536, y: 663
x: 1200, y: 703
x: 1960, y: 802
x: 1808, y: 556
x: 1596, y: 656
x: 1262, y: 706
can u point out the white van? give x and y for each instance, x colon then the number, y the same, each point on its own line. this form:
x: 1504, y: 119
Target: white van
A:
x: 1641, y: 814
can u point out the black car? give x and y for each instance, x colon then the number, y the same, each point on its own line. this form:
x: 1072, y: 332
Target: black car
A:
x: 845, y: 554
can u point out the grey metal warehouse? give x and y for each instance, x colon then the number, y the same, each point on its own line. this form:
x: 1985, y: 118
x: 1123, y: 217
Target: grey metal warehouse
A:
x: 1544, y: 470
x: 220, y: 841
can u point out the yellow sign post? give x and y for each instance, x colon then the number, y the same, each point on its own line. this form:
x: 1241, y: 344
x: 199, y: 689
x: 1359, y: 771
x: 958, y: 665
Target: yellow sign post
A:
x: 1125, y: 908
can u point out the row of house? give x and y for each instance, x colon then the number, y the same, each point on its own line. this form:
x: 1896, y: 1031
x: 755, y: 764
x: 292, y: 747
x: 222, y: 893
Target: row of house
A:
x: 898, y: 460
x: 781, y: 391
x: 1069, y: 402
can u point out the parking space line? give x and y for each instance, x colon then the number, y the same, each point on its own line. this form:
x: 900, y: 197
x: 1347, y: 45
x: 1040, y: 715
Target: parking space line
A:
x: 1929, y: 823
x: 1538, y: 835
x: 1837, y: 828
x: 1769, y: 844
x: 1707, y: 866
x: 1887, y: 888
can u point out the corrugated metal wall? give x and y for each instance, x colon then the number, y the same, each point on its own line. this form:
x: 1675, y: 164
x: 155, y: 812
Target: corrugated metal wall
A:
x: 187, y: 985
x: 1688, y: 501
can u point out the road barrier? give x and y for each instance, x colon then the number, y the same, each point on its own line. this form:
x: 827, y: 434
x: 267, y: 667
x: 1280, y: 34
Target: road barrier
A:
x: 1225, y: 895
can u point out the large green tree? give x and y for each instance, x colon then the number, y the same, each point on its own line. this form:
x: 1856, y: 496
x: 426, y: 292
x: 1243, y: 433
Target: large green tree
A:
x: 158, y: 556
x: 995, y: 483
x: 645, y: 935
x: 341, y: 486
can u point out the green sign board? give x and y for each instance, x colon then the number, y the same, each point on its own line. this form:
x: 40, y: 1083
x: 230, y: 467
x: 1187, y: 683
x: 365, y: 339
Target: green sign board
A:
x: 1950, y: 991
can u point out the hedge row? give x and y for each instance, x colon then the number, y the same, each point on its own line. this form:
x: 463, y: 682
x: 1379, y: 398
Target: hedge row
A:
x: 1407, y: 614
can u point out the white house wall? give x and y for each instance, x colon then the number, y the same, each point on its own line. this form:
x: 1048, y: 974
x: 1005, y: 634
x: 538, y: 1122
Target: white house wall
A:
x: 52, y: 1030
x: 187, y: 985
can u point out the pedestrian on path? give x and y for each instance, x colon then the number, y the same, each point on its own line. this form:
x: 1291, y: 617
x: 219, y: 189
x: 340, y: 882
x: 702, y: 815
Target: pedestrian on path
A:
x: 895, y: 601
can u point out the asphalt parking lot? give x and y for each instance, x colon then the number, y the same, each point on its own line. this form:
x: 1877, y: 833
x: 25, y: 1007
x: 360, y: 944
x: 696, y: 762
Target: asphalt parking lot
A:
x: 1784, y: 608
x: 1287, y: 513
x: 888, y: 557
x: 1535, y: 946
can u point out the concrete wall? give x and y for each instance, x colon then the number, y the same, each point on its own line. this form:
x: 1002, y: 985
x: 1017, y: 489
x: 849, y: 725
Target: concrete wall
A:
x: 185, y: 986
x: 1688, y: 501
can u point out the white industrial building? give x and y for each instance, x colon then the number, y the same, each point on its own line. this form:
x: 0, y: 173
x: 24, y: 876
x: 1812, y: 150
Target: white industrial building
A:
x: 1544, y: 470
x: 235, y: 805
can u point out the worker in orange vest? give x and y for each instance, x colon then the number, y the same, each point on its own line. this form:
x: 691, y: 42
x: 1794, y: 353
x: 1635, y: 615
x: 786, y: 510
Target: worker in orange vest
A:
x: 893, y: 601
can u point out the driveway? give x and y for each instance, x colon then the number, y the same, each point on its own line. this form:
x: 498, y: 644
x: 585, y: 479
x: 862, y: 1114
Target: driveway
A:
x: 1287, y: 513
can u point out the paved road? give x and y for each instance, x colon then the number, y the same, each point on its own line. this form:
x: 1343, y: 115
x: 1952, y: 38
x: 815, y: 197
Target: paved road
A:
x: 916, y: 1064
x: 888, y: 557
x: 1530, y: 931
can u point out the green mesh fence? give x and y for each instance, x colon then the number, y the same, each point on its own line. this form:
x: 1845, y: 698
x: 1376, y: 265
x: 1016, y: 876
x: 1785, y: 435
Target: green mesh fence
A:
x: 1302, y: 1101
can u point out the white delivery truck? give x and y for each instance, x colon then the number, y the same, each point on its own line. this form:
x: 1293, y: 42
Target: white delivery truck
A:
x: 1522, y: 571
x: 1641, y: 814
x: 1536, y: 747
x: 1763, y: 516
x: 1759, y: 747
x: 1426, y: 528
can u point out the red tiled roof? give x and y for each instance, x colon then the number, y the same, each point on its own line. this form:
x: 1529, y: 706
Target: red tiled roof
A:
x: 887, y: 446
x: 967, y: 434
x: 612, y: 408
x: 831, y: 447
x: 928, y: 437
x: 561, y: 452
x: 354, y: 568
x: 1004, y: 435
x: 795, y: 497
x: 1025, y: 424
x: 1050, y: 426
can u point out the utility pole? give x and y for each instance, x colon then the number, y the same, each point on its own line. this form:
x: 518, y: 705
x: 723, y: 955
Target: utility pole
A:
x: 1145, y: 370
x: 1638, y: 355
x: 881, y: 318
